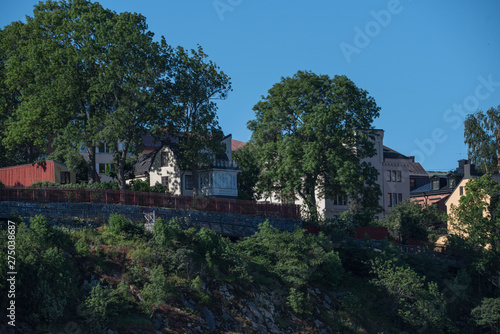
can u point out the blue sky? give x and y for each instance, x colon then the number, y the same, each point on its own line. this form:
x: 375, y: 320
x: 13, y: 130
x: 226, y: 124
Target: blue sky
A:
x: 426, y: 63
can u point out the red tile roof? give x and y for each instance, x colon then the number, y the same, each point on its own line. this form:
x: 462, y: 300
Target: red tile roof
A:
x: 236, y: 144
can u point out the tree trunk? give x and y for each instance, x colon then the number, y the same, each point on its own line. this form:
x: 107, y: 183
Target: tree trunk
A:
x: 92, y: 173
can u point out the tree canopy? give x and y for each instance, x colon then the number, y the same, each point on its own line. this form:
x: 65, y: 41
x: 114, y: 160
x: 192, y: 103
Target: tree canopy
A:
x: 197, y: 83
x: 311, y: 133
x: 77, y: 75
x: 482, y: 136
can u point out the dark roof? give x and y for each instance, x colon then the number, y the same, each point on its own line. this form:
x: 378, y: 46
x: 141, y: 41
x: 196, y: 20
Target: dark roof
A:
x: 417, y: 169
x: 423, y: 189
x: 143, y: 164
x: 389, y: 153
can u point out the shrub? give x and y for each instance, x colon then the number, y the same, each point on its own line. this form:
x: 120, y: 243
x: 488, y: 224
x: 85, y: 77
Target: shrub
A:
x: 119, y: 224
x: 157, y: 289
x: 165, y: 232
x: 488, y: 314
x: 41, y: 232
x: 297, y: 258
x: 139, y: 185
x: 299, y: 301
x: 54, y: 287
x: 105, y: 306
x: 158, y: 188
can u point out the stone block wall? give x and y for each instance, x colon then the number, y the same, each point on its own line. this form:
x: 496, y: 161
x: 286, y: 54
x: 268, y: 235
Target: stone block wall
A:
x: 78, y: 215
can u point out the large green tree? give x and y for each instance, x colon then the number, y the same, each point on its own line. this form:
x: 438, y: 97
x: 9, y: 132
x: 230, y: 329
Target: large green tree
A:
x: 198, y: 82
x: 311, y: 133
x: 87, y: 75
x: 482, y: 136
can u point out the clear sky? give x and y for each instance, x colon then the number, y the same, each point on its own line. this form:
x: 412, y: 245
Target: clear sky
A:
x: 426, y: 63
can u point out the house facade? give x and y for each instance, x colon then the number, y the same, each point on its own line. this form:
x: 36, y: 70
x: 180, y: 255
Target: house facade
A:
x: 161, y: 165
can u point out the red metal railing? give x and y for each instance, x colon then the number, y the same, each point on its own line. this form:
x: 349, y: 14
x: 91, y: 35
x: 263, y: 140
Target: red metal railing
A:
x: 103, y: 196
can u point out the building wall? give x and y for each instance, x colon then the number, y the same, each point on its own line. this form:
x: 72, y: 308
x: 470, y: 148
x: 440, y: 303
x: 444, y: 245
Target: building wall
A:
x: 58, y: 168
x: 171, y: 171
x: 26, y: 175
x: 454, y: 201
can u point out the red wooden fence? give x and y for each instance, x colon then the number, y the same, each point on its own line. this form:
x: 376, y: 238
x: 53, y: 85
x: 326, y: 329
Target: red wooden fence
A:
x: 104, y: 196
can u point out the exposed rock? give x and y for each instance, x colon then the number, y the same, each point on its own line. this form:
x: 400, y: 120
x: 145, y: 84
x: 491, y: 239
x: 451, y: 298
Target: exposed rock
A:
x: 209, y: 318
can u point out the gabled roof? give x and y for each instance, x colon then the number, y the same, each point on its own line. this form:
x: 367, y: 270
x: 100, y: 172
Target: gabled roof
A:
x: 389, y: 153
x: 236, y: 144
x: 143, y: 164
x: 416, y: 169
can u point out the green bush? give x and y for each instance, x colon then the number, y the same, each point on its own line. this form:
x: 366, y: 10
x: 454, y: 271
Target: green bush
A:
x: 139, y: 185
x: 297, y: 258
x: 118, y: 224
x: 158, y: 188
x: 299, y: 301
x: 488, y: 314
x: 106, y: 305
x: 41, y: 232
x: 54, y: 287
x: 165, y: 233
x: 157, y: 289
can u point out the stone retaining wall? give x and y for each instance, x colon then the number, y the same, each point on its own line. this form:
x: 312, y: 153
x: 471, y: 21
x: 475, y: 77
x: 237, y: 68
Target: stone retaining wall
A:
x: 75, y: 215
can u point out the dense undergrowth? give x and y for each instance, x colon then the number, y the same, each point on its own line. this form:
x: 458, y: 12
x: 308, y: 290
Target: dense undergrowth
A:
x: 118, y: 276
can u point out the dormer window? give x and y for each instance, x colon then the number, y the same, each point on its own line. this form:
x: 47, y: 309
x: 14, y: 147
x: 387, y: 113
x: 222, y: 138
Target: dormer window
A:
x: 435, y: 184
x: 451, y: 183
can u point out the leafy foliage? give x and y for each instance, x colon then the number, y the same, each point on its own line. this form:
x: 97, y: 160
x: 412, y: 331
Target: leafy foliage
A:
x: 482, y: 136
x: 310, y: 134
x: 248, y: 178
x: 418, y: 304
x: 295, y: 257
x: 414, y: 219
x: 476, y: 221
x: 488, y: 314
x: 197, y: 83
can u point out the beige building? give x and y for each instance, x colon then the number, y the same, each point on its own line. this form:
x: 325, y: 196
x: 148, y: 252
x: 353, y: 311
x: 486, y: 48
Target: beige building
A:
x: 397, y: 174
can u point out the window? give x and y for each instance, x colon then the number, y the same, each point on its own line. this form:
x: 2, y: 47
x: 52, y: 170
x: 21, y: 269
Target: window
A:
x: 164, y: 159
x: 339, y: 200
x: 164, y: 181
x: 412, y: 184
x: 461, y: 191
x: 435, y: 185
x: 102, y: 148
x: 101, y: 168
x: 188, y: 181
x: 394, y: 176
x: 394, y: 199
x: 65, y: 177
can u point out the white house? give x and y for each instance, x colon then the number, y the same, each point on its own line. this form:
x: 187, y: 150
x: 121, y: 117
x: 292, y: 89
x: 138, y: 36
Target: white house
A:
x: 161, y: 165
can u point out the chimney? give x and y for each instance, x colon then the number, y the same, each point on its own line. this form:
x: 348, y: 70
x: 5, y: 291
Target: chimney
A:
x: 469, y: 170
